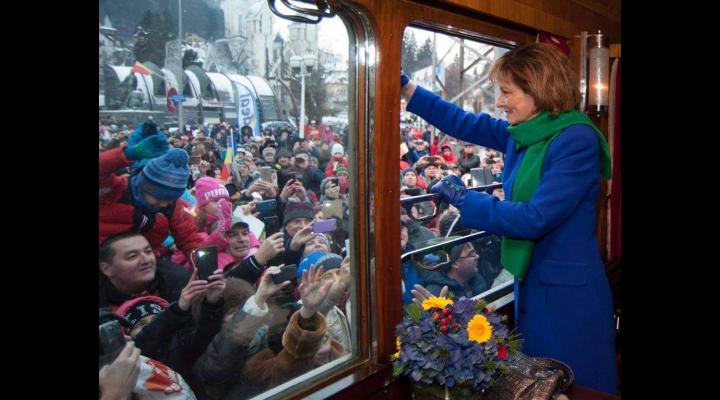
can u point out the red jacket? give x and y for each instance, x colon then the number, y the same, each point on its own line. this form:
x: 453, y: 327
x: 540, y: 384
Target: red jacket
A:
x: 333, y: 163
x: 117, y: 211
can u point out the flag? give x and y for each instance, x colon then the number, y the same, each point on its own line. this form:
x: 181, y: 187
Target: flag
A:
x: 229, y: 159
x: 138, y: 68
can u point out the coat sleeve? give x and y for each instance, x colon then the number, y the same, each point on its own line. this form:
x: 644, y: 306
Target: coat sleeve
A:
x: 157, y: 334
x: 209, y: 324
x: 297, y: 356
x: 481, y: 129
x: 224, y: 357
x: 111, y: 161
x: 573, y: 168
x: 184, y: 230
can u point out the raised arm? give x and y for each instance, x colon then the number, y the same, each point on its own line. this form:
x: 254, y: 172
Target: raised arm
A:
x: 481, y: 129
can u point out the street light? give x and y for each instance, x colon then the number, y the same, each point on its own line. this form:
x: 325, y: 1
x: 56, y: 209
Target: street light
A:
x: 303, y: 66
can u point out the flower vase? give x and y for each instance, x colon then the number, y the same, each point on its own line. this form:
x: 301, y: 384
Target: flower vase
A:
x: 441, y: 392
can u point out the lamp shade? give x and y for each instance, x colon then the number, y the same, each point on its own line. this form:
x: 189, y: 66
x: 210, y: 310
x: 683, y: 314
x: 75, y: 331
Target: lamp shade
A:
x: 598, y: 72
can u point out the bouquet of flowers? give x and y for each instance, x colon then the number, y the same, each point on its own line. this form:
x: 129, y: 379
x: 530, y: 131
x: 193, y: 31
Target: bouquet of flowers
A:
x: 450, y: 343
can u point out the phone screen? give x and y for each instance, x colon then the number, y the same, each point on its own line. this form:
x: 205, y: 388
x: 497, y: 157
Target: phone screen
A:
x: 206, y: 261
x: 268, y: 174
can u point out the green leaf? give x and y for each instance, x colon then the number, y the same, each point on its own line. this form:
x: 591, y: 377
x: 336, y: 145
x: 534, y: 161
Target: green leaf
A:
x: 414, y: 311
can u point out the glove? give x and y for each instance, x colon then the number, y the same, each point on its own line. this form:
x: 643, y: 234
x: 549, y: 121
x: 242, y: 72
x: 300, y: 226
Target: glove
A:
x: 452, y: 189
x: 150, y: 147
x: 404, y: 80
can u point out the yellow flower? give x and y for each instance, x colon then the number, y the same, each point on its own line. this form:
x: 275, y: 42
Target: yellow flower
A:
x: 436, y: 302
x: 479, y: 329
x: 397, y: 343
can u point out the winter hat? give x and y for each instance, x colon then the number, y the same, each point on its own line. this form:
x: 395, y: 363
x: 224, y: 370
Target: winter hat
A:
x: 329, y: 261
x: 282, y: 153
x: 406, y: 170
x: 340, y: 169
x: 311, y: 258
x: 324, y: 183
x: 165, y: 177
x: 269, y: 150
x: 208, y: 190
x: 337, y: 148
x: 298, y: 209
x: 135, y: 309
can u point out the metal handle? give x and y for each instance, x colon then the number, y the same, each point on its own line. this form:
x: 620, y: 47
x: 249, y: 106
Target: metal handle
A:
x: 408, y: 202
x: 323, y: 10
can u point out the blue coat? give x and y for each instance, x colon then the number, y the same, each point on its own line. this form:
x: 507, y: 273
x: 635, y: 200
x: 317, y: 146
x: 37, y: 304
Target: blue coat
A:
x: 565, y: 300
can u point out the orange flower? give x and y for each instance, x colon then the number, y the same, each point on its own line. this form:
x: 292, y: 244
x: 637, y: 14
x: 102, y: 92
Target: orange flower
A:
x: 479, y: 329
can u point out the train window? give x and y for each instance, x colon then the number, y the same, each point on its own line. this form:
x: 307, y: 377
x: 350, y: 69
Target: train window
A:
x: 265, y: 103
x: 433, y: 251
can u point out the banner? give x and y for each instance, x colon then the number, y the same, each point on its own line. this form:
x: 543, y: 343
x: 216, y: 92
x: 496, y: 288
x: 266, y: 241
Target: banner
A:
x: 424, y: 77
x: 247, y: 109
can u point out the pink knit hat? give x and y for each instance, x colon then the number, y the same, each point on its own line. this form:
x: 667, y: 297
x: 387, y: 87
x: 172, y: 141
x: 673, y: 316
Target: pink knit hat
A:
x: 209, y: 189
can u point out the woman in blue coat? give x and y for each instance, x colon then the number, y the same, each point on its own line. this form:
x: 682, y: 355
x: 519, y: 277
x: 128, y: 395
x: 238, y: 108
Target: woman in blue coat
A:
x: 554, y: 160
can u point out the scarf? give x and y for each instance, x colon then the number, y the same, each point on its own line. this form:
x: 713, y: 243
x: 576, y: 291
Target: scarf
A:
x: 536, y: 135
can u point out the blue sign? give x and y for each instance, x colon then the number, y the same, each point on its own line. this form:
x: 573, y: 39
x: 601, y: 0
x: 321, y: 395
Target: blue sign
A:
x: 179, y: 99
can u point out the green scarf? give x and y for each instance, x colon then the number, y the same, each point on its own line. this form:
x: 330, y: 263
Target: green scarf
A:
x: 536, y: 134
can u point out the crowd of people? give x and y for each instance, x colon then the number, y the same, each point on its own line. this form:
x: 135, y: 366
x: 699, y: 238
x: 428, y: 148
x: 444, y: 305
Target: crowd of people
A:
x: 280, y: 204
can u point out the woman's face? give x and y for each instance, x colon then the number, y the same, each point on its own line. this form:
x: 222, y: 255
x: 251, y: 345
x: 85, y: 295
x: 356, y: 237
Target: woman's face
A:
x: 518, y: 106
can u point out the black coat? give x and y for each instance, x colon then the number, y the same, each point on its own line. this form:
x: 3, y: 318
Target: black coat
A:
x: 466, y: 164
x: 176, y: 340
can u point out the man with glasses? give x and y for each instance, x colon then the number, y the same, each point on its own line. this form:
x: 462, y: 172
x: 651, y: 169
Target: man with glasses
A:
x: 461, y: 276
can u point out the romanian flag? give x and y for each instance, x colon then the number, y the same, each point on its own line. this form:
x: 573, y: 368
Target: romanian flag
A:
x: 229, y: 159
x: 140, y: 69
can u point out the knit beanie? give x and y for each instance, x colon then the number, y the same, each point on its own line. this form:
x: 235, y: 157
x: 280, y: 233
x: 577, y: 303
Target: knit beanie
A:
x: 165, y: 177
x: 268, y: 150
x: 311, y: 258
x: 406, y: 170
x: 135, y: 309
x: 298, y: 209
x: 209, y: 189
x: 340, y: 169
x: 337, y: 148
x: 329, y: 261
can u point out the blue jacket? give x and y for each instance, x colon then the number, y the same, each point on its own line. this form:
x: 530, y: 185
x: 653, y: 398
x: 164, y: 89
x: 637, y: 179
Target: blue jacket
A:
x: 565, y: 300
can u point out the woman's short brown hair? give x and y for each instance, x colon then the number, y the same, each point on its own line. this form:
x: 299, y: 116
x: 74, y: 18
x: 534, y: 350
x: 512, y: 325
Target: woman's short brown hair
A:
x: 543, y: 72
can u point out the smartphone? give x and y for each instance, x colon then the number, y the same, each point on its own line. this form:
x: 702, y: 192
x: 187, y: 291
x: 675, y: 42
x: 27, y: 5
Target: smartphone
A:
x: 481, y: 176
x: 325, y: 225
x: 195, y: 171
x: 206, y: 261
x: 111, y: 341
x: 266, y: 207
x: 287, y: 273
x: 272, y: 225
x: 347, y: 247
x: 268, y: 175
